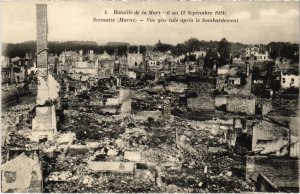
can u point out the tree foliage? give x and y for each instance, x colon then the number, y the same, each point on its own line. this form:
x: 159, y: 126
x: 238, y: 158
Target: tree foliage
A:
x: 284, y: 49
x: 20, y: 49
x: 211, y: 58
x: 161, y: 47
x: 224, y: 50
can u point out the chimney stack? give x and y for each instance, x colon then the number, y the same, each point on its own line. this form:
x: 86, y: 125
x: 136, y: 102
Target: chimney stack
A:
x: 42, y: 36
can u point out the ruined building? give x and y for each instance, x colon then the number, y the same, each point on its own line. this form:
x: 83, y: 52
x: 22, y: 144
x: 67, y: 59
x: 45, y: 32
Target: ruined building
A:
x: 135, y: 60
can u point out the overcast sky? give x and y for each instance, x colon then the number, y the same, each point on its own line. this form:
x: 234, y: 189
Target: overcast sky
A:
x: 259, y: 22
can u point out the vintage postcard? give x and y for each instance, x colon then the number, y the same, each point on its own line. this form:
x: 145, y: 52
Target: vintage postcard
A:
x: 149, y: 96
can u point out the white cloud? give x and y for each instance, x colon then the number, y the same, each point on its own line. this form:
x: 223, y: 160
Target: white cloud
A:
x: 242, y: 15
x: 268, y: 13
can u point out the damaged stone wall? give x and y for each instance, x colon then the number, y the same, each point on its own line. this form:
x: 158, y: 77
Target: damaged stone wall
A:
x: 240, y: 104
x: 204, y: 99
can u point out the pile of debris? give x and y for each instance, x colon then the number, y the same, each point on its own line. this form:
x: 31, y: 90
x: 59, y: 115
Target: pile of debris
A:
x: 134, y: 83
x: 86, y: 126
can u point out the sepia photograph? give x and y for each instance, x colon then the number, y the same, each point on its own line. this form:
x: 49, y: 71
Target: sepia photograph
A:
x: 149, y: 96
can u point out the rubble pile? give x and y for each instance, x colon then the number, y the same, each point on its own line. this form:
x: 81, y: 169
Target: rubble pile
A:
x: 285, y: 107
x: 70, y: 174
x: 104, y: 183
x: 16, y: 118
x: 182, y: 151
x: 132, y: 138
x: 134, y: 83
x: 161, y: 137
x: 184, y: 178
x: 187, y: 157
x: 226, y: 183
x: 15, y: 140
x: 194, y: 153
x: 266, y: 105
x: 164, y: 155
x: 150, y: 103
x: 201, y: 87
x: 198, y: 115
x: 91, y: 126
x: 22, y: 107
x: 149, y: 100
x: 11, y: 90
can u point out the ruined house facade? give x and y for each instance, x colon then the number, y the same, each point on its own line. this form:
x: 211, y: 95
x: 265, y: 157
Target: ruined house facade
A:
x: 105, y: 65
x: 135, y: 60
x: 257, y: 53
x: 289, y: 80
